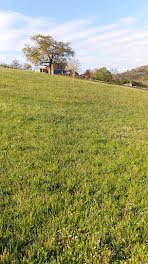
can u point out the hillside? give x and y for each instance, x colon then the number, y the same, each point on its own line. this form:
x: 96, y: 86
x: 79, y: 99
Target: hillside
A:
x: 73, y: 167
x: 139, y: 74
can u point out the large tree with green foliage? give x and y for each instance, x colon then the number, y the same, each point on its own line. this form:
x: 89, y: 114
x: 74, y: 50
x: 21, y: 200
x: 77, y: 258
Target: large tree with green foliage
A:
x: 102, y: 74
x: 46, y: 50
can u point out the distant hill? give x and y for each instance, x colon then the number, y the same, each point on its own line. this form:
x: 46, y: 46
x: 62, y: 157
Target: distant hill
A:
x: 139, y: 74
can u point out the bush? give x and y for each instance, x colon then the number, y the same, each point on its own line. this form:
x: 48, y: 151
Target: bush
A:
x: 138, y: 84
x: 102, y: 74
x: 122, y: 82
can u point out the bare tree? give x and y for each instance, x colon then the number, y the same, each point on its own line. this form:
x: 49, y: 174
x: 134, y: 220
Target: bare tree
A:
x: 15, y: 64
x: 73, y: 65
x: 114, y: 73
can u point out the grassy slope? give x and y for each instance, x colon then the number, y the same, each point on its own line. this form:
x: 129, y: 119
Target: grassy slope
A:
x: 73, y: 170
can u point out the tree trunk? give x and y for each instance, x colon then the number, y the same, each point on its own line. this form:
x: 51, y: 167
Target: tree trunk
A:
x: 73, y: 74
x: 52, y: 69
x: 50, y: 66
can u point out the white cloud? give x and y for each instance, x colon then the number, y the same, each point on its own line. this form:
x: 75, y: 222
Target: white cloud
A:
x: 122, y: 45
x: 128, y: 20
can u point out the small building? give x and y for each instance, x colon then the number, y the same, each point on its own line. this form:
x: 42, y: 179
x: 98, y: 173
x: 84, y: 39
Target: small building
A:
x: 56, y: 69
x: 42, y: 70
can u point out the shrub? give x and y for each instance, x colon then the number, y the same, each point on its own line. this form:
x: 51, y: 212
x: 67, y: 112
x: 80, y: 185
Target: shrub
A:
x: 102, y: 74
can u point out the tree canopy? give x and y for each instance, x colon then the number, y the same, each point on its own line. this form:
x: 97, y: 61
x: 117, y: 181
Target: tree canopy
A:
x: 102, y: 74
x: 46, y: 50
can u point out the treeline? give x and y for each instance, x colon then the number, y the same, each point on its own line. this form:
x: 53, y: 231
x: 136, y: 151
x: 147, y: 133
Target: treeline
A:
x: 105, y: 75
x: 101, y: 74
x: 16, y: 65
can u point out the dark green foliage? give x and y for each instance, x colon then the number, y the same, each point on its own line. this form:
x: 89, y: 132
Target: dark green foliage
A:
x: 102, y: 74
x: 138, y: 84
x: 73, y: 166
x: 122, y: 82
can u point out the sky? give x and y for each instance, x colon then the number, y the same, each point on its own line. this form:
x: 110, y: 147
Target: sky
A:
x: 111, y: 34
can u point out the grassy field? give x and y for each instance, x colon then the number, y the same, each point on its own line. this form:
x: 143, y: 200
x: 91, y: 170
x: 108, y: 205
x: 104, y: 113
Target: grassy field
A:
x: 73, y: 166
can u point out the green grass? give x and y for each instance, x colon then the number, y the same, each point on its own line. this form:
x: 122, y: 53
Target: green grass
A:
x: 74, y: 161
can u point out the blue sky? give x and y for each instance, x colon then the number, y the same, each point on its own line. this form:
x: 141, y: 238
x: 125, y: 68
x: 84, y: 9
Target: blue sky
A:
x: 104, y: 11
x: 111, y: 33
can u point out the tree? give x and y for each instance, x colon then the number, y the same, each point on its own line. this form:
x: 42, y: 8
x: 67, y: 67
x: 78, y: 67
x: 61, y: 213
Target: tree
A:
x: 88, y: 74
x: 4, y: 65
x: 46, y: 50
x: 73, y: 65
x: 15, y: 64
x: 27, y: 67
x: 114, y: 73
x: 102, y: 74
